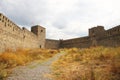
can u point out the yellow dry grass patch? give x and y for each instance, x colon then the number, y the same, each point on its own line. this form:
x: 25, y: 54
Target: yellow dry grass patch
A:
x: 10, y: 59
x: 97, y: 63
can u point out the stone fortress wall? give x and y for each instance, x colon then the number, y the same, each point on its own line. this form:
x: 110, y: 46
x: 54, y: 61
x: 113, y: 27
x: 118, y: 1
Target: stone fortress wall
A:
x: 76, y: 42
x: 111, y: 38
x: 98, y: 36
x: 52, y: 44
x: 13, y: 37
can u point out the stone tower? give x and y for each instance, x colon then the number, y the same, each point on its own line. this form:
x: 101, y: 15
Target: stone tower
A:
x: 95, y: 33
x: 98, y: 31
x: 40, y: 32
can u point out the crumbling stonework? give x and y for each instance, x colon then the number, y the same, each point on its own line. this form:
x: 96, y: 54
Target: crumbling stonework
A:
x: 13, y: 37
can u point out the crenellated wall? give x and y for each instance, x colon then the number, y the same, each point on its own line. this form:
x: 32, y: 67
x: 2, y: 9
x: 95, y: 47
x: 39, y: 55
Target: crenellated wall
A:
x: 13, y: 37
x: 111, y: 38
x: 98, y: 36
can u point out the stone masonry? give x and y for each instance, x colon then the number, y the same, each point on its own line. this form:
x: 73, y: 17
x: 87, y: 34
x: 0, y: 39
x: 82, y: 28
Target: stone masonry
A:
x: 98, y: 36
x: 13, y: 37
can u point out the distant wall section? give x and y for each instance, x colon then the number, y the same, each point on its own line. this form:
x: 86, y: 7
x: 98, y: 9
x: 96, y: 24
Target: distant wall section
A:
x: 111, y: 38
x: 52, y: 44
x: 98, y: 36
x: 83, y: 42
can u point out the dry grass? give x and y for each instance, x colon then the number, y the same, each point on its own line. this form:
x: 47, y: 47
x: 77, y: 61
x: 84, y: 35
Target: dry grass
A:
x: 88, y: 64
x: 10, y: 59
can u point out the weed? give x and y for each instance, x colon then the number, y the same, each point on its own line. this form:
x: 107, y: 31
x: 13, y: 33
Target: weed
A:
x: 97, y: 63
x: 10, y: 59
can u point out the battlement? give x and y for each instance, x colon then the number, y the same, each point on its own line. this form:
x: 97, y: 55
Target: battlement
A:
x: 98, y: 36
x: 8, y: 23
x: 98, y: 31
x: 12, y: 36
x: 37, y: 29
x: 113, y: 31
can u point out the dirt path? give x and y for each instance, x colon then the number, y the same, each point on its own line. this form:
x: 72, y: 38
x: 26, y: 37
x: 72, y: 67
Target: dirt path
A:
x: 33, y: 71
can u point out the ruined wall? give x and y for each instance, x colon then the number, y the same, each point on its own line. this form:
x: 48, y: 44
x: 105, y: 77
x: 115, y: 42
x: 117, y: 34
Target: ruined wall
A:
x: 13, y: 37
x: 52, y: 44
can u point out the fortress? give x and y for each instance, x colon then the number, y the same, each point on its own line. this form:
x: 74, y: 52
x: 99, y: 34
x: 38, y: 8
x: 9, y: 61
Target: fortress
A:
x: 13, y: 37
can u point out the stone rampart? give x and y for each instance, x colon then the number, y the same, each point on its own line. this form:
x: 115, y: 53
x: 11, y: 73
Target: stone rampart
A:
x: 52, y: 44
x: 13, y: 37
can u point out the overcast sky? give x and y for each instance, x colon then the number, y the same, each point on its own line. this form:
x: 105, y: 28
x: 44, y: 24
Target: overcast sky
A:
x: 63, y: 19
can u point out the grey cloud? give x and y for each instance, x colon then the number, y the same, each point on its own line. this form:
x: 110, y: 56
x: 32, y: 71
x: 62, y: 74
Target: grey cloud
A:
x: 59, y: 25
x: 58, y: 15
x: 24, y: 13
x: 60, y: 22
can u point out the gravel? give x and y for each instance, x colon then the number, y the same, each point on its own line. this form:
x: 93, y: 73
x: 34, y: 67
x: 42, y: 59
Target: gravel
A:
x: 34, y: 71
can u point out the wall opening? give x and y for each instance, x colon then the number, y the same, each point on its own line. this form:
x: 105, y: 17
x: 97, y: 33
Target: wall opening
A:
x: 41, y: 30
x: 5, y: 24
x: 24, y: 37
x: 40, y: 46
x: 0, y: 17
x: 13, y: 28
